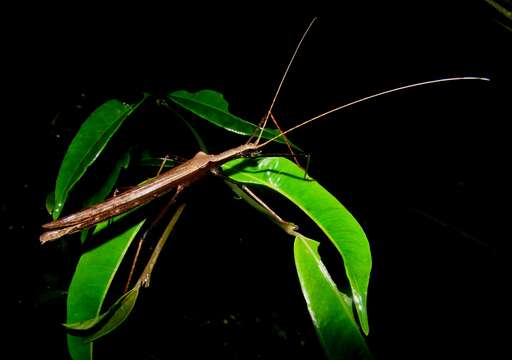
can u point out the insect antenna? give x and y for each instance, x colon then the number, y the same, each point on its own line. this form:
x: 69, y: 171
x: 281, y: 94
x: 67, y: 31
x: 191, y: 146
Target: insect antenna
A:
x: 283, y: 78
x: 368, y: 98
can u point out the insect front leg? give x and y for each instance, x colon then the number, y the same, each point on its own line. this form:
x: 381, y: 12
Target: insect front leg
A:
x: 252, y: 199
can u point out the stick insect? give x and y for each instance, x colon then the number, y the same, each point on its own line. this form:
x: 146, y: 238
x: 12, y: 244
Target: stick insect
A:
x: 197, y: 167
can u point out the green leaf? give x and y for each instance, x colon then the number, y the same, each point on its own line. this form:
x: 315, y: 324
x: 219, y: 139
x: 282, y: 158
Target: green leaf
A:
x: 107, y: 187
x: 330, y: 309
x: 87, y: 145
x: 91, y: 281
x: 211, y: 105
x: 286, y: 178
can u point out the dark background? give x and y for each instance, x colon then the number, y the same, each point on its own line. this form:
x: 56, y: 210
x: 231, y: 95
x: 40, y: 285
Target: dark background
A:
x: 421, y: 171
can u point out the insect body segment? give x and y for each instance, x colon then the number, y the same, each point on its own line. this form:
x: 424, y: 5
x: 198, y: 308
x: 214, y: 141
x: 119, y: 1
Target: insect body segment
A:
x: 182, y: 175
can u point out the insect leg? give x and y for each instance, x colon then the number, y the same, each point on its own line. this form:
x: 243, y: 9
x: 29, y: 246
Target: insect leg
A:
x: 161, y: 214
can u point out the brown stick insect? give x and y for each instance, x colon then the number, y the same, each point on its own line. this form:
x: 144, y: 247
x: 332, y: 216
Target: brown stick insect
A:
x: 196, y: 168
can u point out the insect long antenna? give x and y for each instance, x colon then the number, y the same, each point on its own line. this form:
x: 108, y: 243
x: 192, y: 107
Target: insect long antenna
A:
x: 368, y: 98
x: 267, y: 116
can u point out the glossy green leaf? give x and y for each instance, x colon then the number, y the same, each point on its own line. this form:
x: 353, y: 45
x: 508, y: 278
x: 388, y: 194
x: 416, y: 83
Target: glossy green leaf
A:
x: 87, y: 145
x: 330, y: 309
x: 211, y: 105
x: 286, y: 178
x: 107, y: 186
x: 91, y: 281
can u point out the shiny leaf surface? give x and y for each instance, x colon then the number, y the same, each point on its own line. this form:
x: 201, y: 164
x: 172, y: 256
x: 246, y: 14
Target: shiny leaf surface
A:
x: 286, y: 178
x: 330, y: 309
x: 211, y: 106
x: 87, y: 145
x: 90, y: 283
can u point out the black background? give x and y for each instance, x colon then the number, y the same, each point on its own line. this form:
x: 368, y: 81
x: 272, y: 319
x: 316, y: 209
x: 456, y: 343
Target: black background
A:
x: 421, y: 171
